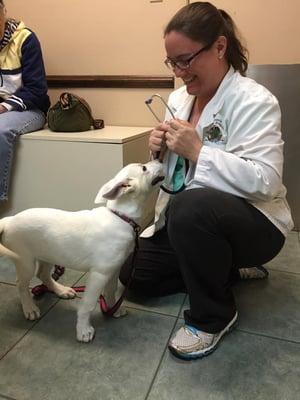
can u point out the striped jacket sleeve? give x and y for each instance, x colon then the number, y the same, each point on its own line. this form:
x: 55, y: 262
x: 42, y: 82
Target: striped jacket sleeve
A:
x: 34, y: 85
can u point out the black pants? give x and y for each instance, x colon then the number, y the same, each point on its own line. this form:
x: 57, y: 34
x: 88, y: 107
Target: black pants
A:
x: 208, y: 235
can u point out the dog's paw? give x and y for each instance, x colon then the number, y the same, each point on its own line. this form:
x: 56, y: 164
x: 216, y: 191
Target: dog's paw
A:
x: 31, y: 312
x: 85, y: 334
x: 64, y: 292
x: 121, y: 312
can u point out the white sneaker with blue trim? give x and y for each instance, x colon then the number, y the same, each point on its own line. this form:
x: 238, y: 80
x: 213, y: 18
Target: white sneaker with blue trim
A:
x: 190, y: 343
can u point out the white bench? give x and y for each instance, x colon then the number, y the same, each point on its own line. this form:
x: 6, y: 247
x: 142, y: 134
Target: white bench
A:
x: 65, y: 170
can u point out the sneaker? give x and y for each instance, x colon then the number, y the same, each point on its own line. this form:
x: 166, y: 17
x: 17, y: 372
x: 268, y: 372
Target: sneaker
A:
x: 190, y: 343
x: 253, y: 273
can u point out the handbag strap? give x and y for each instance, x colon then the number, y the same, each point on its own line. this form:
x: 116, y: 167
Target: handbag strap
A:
x: 98, y: 123
x: 66, y: 102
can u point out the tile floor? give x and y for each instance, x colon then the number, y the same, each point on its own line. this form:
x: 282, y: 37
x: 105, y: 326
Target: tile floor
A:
x: 128, y: 358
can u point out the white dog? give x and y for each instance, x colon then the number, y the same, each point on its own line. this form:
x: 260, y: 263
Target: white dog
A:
x: 97, y: 240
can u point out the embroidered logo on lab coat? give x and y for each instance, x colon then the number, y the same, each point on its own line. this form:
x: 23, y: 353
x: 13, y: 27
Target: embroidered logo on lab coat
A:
x: 215, y: 133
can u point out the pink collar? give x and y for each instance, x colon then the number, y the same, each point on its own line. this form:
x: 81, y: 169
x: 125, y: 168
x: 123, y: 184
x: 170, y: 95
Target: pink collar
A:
x: 130, y: 221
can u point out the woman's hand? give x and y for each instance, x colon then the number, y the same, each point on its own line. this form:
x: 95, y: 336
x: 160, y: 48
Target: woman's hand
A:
x: 183, y: 139
x: 2, y: 109
x: 157, y: 142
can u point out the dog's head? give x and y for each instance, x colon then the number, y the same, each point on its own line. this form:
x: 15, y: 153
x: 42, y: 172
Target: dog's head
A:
x: 134, y: 180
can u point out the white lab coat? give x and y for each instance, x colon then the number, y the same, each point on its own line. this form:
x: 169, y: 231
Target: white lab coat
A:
x: 242, y: 151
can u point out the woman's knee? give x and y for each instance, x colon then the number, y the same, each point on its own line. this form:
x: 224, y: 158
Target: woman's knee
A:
x: 194, y: 205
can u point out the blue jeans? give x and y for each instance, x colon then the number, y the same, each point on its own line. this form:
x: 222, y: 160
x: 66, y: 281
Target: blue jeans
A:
x: 12, y: 125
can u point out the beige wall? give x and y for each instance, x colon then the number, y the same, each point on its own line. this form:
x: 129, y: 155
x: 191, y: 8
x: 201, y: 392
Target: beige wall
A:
x: 270, y: 28
x: 119, y: 37
x: 99, y: 37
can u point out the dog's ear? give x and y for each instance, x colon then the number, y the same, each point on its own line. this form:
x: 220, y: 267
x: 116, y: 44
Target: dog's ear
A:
x: 112, y: 190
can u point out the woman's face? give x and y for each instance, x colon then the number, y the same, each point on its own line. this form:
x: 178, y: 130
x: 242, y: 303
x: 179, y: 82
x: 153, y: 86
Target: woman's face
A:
x: 205, y: 71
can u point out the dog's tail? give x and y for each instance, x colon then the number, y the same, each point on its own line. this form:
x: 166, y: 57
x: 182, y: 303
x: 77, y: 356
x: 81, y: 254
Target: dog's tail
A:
x: 4, y: 251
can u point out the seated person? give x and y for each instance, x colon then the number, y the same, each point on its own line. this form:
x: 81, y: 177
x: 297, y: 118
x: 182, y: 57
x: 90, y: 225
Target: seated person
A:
x: 23, y: 90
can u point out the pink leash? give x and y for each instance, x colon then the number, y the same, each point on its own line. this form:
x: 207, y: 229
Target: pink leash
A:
x: 40, y: 290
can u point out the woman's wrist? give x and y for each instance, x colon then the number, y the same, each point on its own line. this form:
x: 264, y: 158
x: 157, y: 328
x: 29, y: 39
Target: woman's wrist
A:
x: 3, y: 109
x: 196, y: 153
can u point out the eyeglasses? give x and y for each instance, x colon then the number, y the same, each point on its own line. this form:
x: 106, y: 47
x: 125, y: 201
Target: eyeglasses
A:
x: 185, y: 64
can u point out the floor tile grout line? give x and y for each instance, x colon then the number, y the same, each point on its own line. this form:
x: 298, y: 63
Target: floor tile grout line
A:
x: 79, y: 279
x: 30, y: 329
x: 267, y: 336
x: 178, y: 317
x: 158, y: 312
x: 151, y: 311
x: 160, y: 360
x: 59, y: 299
x: 282, y: 271
x: 164, y: 351
x: 2, y: 396
x: 36, y: 322
x: 75, y: 283
x: 8, y: 283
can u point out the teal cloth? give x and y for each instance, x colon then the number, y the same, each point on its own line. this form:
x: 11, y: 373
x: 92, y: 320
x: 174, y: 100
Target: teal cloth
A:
x: 179, y: 174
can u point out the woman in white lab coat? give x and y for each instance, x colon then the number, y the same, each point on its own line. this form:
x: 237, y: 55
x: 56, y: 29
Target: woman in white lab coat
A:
x: 228, y: 215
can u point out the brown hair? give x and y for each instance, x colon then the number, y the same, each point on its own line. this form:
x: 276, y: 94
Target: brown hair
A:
x: 203, y: 22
